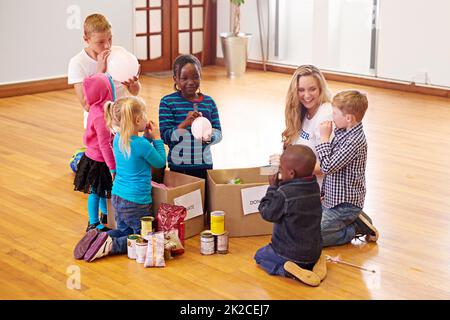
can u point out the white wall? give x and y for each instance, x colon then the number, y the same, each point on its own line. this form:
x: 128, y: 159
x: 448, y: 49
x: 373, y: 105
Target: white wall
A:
x: 335, y: 35
x: 36, y: 42
x: 415, y: 38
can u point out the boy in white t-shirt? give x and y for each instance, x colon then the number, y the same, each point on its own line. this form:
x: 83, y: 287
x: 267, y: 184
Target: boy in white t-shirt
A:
x: 93, y: 59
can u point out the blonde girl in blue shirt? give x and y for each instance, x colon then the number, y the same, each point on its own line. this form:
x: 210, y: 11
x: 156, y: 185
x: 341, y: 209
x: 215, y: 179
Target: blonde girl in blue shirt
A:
x: 131, y: 191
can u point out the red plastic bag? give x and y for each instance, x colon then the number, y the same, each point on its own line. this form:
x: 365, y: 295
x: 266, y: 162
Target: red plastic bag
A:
x: 170, y: 217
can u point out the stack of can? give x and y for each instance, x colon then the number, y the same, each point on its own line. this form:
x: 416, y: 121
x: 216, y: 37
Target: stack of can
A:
x: 216, y: 239
x: 136, y: 244
x: 136, y: 248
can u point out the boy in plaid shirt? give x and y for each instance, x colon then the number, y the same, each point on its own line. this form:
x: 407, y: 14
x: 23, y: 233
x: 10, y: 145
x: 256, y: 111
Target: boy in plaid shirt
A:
x: 343, y: 161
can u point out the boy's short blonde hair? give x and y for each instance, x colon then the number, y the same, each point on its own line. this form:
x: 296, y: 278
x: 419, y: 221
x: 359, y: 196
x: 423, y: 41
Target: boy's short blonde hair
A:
x: 96, y: 23
x: 351, y: 102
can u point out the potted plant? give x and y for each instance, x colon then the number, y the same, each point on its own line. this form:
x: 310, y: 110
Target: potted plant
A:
x: 234, y: 44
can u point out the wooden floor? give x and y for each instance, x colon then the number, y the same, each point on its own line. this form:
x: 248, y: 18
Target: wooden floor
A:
x: 408, y: 182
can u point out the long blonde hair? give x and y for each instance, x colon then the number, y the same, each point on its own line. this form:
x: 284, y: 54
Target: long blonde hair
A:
x: 295, y: 111
x: 123, y: 113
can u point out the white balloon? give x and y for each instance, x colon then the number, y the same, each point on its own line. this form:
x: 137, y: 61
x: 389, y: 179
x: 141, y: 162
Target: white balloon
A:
x: 201, y: 128
x: 122, y: 65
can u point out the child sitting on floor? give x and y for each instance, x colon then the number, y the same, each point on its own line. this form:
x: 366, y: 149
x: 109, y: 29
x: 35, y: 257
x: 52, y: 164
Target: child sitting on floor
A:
x: 131, y: 192
x: 292, y: 203
x: 343, y: 161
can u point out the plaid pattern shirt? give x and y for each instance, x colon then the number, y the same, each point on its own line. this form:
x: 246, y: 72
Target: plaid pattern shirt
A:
x: 343, y: 161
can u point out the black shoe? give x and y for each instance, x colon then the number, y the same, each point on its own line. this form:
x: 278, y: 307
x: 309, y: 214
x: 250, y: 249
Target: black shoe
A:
x: 92, y: 226
x: 364, y: 227
x: 104, y: 229
x: 104, y: 218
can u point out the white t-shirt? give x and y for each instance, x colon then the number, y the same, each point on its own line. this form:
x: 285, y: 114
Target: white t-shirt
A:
x: 82, y: 66
x: 310, y: 132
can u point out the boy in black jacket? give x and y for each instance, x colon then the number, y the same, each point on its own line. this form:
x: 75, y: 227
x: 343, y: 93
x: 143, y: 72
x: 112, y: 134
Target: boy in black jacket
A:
x: 292, y: 203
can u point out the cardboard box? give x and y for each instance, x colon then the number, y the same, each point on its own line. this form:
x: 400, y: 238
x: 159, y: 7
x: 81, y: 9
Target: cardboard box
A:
x: 229, y: 198
x: 181, y: 185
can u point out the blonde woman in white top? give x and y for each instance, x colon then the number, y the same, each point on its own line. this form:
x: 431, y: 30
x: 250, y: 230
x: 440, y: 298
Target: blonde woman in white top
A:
x: 307, y: 105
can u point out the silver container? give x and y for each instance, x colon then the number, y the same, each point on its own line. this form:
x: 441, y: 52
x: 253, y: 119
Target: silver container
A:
x: 234, y: 49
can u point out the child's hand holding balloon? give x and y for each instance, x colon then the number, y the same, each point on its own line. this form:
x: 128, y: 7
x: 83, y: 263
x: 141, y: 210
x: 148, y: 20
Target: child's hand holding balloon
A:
x: 152, y: 131
x: 191, y: 116
x: 102, y: 59
x: 133, y: 84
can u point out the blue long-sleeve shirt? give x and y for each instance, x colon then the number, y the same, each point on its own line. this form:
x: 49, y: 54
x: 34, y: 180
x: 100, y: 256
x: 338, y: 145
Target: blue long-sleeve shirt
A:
x: 185, y: 152
x: 133, y: 173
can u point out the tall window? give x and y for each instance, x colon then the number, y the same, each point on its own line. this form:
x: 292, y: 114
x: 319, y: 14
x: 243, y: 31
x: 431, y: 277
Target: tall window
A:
x: 337, y: 35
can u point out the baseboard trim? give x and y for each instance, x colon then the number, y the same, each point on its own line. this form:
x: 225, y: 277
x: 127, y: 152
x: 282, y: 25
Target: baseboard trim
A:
x: 30, y: 87
x: 360, y: 80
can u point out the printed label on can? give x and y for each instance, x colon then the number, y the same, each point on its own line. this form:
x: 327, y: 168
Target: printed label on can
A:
x: 146, y: 225
x: 141, y: 252
x: 217, y: 222
x: 222, y: 243
x: 206, y: 243
x: 131, y: 246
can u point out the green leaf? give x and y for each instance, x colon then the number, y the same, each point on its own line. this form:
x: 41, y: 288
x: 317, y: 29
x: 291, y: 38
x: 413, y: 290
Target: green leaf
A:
x: 237, y: 2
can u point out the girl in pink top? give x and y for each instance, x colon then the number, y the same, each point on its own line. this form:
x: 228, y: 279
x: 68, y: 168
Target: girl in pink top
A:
x: 97, y: 167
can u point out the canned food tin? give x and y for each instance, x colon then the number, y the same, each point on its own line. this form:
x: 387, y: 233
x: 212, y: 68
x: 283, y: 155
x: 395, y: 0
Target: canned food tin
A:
x: 222, y: 243
x: 206, y: 243
x: 146, y: 225
x: 217, y: 222
x: 141, y: 250
x: 131, y: 245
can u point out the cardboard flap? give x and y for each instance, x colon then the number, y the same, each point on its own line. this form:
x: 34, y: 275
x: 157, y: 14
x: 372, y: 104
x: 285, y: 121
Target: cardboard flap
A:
x: 174, y: 179
x: 247, y: 175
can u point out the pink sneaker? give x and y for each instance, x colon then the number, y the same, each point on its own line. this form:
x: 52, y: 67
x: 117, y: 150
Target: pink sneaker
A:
x: 100, y: 248
x: 83, y: 245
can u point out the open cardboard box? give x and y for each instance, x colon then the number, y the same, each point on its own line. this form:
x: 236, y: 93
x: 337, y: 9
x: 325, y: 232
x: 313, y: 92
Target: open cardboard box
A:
x: 180, y: 185
x: 228, y: 198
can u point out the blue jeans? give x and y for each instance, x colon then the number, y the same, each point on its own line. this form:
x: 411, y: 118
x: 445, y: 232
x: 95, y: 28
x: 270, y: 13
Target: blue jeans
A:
x: 338, y: 224
x: 273, y: 263
x: 128, y: 219
x: 270, y: 261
